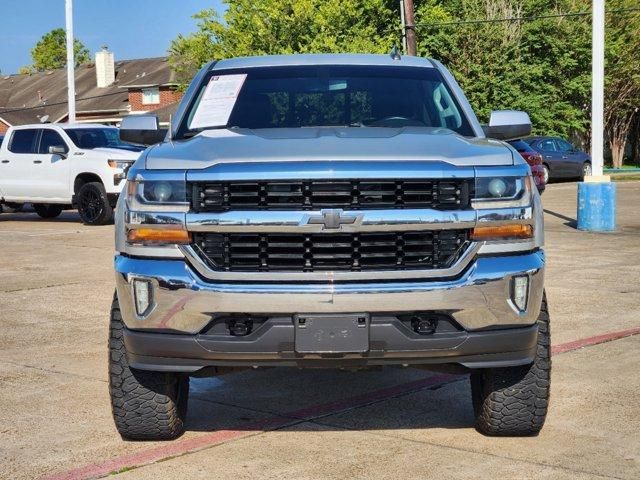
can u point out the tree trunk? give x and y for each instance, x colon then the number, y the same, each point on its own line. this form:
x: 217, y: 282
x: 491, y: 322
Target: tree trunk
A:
x: 617, y: 151
x: 634, y: 138
x: 619, y: 130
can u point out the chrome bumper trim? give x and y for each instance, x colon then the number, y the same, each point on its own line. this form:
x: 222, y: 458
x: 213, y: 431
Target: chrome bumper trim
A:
x: 185, y: 303
x: 297, y: 221
x: 366, y: 221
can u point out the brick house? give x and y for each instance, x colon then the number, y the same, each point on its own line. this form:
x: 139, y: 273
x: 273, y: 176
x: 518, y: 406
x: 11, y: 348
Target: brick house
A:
x: 106, y: 91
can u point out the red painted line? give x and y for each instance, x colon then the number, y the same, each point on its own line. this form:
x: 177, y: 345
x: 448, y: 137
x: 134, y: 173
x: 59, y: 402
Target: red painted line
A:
x: 190, y: 445
x: 587, y: 342
x: 370, y: 397
x: 168, y: 450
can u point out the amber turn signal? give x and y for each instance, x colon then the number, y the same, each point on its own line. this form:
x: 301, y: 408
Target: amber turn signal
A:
x: 502, y: 232
x: 156, y: 236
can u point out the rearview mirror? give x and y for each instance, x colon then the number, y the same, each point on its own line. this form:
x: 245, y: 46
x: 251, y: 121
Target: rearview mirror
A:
x: 142, y: 130
x: 58, y: 150
x: 508, y: 125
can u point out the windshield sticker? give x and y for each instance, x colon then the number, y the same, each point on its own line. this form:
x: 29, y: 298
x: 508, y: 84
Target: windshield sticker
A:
x: 218, y: 100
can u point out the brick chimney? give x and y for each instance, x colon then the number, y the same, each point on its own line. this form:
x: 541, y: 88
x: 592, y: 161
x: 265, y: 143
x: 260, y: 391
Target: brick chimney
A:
x: 105, y: 68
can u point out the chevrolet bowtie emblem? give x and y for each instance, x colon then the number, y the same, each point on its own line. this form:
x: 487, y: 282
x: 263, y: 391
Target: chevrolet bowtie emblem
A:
x: 332, y: 219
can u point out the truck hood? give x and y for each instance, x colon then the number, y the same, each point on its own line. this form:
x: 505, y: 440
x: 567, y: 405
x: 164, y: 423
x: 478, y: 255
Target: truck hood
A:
x: 115, y: 153
x: 213, y: 147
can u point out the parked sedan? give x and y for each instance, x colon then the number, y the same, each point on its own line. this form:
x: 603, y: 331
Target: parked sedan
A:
x: 560, y: 159
x: 534, y: 159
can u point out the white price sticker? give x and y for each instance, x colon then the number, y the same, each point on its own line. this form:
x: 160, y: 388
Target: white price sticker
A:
x: 217, y: 101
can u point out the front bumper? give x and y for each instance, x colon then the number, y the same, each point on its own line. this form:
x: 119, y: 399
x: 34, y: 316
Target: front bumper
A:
x: 170, y: 336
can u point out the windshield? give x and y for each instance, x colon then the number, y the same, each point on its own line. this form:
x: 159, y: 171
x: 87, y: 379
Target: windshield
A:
x: 326, y: 96
x: 90, y: 138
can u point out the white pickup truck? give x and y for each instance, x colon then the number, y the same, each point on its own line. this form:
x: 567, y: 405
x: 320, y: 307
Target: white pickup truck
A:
x: 58, y: 166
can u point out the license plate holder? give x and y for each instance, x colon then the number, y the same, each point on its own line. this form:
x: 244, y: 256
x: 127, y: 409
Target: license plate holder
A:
x: 333, y: 333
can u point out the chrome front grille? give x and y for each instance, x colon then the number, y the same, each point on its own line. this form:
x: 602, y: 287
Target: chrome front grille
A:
x: 245, y: 252
x: 439, y: 194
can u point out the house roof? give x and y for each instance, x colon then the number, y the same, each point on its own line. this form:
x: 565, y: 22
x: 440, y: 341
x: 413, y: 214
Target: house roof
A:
x: 26, y: 98
x: 164, y: 113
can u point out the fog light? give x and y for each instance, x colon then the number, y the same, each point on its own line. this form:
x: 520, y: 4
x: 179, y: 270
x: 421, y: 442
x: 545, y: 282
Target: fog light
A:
x: 424, y: 325
x: 520, y: 292
x: 240, y: 328
x: 143, y: 296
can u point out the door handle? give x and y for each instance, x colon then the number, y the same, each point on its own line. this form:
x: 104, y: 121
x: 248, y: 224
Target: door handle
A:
x: 564, y: 157
x: 5, y: 161
x: 548, y: 156
x: 37, y: 161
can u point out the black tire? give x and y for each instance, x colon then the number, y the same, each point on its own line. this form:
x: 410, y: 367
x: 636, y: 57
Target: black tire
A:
x: 513, y: 401
x: 586, y: 170
x: 145, y: 405
x: 15, y: 207
x: 93, y: 204
x: 47, y: 210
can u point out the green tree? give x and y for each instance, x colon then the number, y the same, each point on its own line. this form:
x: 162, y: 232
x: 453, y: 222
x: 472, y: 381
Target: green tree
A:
x: 256, y: 27
x: 51, y: 51
x: 26, y: 70
x: 539, y: 66
x: 542, y: 65
x: 622, y: 79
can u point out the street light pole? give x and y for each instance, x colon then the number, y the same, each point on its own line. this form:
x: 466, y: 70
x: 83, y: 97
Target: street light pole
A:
x: 410, y: 28
x: 71, y: 82
x: 597, y: 194
x: 597, y: 86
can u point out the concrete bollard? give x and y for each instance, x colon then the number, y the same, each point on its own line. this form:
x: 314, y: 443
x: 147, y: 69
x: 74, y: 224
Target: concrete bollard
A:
x: 597, y: 206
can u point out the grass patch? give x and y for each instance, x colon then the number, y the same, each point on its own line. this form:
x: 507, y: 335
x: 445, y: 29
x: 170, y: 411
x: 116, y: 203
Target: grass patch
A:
x: 625, y: 178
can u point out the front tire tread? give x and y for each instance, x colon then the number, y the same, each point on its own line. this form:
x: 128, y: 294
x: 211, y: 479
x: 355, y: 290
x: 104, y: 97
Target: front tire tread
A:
x: 145, y: 405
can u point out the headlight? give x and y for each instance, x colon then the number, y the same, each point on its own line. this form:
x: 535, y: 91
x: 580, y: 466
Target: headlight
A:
x: 157, y: 193
x: 161, y: 192
x: 499, y: 188
x: 146, y: 223
x: 502, y: 192
x: 121, y: 164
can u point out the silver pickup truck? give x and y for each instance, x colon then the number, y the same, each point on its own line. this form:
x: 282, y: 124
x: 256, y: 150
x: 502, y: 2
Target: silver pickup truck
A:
x: 328, y: 211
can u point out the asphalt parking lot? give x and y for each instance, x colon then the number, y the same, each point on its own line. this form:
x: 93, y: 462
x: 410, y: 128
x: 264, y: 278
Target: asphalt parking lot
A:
x: 56, y: 286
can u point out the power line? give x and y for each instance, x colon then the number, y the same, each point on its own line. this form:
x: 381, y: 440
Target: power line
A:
x: 22, y: 109
x: 521, y: 19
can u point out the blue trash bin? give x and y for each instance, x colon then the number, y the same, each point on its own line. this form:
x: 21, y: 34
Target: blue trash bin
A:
x: 597, y: 206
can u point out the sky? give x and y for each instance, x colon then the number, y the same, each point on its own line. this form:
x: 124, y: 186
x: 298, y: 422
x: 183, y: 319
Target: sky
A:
x: 130, y: 28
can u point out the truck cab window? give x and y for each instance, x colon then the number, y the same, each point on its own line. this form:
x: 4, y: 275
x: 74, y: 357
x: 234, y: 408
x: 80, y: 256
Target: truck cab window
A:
x: 51, y: 138
x: 24, y: 141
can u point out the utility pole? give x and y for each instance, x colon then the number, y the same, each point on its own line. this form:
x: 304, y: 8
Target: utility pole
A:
x: 71, y: 63
x: 410, y: 28
x: 597, y: 89
x: 402, y: 25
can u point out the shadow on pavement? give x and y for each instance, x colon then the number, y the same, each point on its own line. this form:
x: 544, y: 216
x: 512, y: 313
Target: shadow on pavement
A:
x: 30, y: 216
x: 569, y: 222
x: 243, y: 401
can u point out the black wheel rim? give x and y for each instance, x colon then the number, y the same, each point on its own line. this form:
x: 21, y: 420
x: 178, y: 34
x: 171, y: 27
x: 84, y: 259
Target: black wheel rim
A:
x: 90, y: 204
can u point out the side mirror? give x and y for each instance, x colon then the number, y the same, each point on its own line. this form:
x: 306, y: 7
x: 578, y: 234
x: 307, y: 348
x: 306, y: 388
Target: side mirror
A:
x: 508, y: 125
x: 58, y: 150
x: 142, y: 130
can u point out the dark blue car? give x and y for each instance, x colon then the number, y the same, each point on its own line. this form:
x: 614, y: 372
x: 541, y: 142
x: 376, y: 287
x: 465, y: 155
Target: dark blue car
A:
x: 560, y: 159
